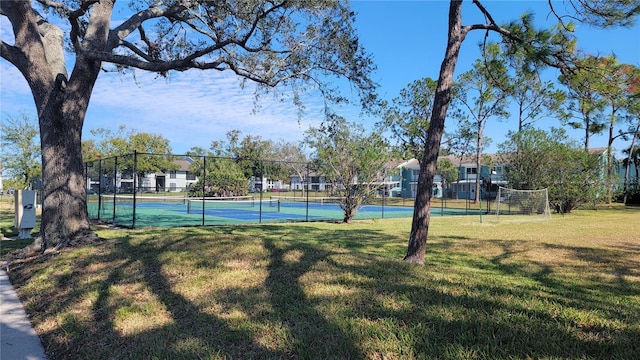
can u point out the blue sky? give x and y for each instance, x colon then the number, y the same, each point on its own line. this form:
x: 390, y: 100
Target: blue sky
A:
x: 407, y: 40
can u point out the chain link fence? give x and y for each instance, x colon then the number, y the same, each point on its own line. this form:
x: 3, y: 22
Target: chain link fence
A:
x: 153, y: 190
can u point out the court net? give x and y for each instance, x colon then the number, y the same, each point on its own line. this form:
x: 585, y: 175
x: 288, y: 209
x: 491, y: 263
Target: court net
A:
x: 200, y: 205
x: 283, y: 200
x: 128, y: 200
x: 120, y: 209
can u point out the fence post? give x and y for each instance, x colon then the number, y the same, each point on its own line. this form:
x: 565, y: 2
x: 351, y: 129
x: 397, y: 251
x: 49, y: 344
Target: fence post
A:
x: 99, y: 187
x: 307, y: 183
x: 115, y: 189
x: 384, y: 191
x: 204, y: 185
x: 261, y: 190
x: 135, y: 187
x: 443, y: 200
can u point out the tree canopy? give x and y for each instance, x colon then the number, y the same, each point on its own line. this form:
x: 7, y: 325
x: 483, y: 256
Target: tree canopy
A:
x: 153, y: 150
x: 217, y: 176
x: 290, y: 47
x: 537, y: 159
x: 351, y: 158
x: 19, y: 150
x: 407, y: 116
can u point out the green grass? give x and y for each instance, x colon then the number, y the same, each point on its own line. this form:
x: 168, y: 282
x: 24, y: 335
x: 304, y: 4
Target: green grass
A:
x: 564, y: 288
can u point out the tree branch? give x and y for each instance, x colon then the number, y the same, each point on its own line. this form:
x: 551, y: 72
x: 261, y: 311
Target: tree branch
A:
x: 57, y: 6
x: 484, y: 11
x: 135, y: 21
x: 12, y: 54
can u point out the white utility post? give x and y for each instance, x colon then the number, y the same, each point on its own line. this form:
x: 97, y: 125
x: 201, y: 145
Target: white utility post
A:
x: 25, y: 218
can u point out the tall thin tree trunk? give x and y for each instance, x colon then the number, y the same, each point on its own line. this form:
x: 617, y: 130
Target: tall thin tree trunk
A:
x: 626, y: 170
x: 476, y: 198
x: 420, y: 224
x: 610, y: 158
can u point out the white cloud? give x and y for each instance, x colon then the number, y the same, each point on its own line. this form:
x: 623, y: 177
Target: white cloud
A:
x: 190, y: 109
x: 193, y: 108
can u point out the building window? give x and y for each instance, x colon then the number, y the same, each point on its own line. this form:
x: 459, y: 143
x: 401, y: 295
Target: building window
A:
x: 472, y: 170
x: 172, y: 187
x: 191, y: 176
x: 172, y: 174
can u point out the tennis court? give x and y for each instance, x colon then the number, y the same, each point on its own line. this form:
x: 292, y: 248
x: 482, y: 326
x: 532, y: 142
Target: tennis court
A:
x: 175, y: 211
x: 181, y: 211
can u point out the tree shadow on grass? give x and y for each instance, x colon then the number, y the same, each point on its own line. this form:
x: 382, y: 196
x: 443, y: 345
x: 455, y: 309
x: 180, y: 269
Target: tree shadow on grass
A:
x: 314, y: 335
x: 191, y: 333
x: 392, y: 309
x: 578, y: 280
x: 188, y: 333
x: 457, y: 317
x: 605, y: 270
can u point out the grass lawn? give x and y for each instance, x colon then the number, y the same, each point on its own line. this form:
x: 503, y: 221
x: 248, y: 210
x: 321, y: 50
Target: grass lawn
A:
x: 564, y: 288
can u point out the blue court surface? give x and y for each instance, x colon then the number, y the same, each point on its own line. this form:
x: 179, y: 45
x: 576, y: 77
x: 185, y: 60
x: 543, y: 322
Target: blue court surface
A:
x: 180, y: 211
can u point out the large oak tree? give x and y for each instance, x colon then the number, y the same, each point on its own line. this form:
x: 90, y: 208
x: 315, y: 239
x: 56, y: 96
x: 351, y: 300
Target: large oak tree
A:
x: 277, y: 44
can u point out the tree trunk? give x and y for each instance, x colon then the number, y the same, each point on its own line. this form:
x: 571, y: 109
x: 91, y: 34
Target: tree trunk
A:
x: 420, y: 224
x: 64, y: 215
x: 350, y: 206
x: 476, y: 198
x: 587, y: 131
x: 61, y: 103
x: 610, y: 156
x: 626, y: 170
x: 65, y: 221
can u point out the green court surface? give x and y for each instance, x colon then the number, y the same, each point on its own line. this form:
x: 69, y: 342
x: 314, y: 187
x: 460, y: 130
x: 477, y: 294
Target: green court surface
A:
x: 157, y: 211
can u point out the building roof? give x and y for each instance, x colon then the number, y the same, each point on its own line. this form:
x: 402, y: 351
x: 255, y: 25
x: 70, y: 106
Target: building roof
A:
x: 456, y: 160
x: 597, y: 151
x: 471, y: 159
x: 183, y: 165
x: 468, y: 159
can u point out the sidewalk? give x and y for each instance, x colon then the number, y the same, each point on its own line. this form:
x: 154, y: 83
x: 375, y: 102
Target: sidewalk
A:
x: 18, y: 340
